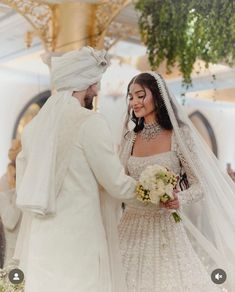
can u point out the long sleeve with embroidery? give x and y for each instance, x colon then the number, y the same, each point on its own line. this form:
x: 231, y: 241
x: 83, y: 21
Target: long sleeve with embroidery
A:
x: 194, y: 192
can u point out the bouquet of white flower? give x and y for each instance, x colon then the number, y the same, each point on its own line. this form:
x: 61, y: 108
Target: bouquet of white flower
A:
x: 156, y: 184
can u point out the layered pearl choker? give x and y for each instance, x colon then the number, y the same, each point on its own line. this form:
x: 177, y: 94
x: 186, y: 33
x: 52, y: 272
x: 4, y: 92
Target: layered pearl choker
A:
x: 150, y: 131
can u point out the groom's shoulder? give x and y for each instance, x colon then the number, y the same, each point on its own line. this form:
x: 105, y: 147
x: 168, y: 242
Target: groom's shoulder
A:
x: 90, y: 114
x: 92, y: 118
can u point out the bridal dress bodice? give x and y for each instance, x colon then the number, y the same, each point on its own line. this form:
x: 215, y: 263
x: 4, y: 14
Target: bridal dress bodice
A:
x: 172, y: 160
x: 156, y: 251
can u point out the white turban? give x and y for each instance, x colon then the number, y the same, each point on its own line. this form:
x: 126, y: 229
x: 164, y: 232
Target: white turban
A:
x: 78, y: 69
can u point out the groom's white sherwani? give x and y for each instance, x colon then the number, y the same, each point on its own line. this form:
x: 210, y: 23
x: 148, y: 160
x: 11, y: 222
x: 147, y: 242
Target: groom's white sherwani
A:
x: 66, y: 252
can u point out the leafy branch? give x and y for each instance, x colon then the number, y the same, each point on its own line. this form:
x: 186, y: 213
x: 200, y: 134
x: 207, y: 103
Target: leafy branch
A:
x: 184, y: 31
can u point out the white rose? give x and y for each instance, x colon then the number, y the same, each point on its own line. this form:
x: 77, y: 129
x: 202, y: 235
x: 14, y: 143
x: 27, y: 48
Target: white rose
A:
x: 154, y: 199
x: 155, y: 195
x: 160, y: 183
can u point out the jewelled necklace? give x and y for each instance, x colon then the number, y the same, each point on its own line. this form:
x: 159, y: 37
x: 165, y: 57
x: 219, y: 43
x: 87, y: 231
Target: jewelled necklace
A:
x: 150, y: 131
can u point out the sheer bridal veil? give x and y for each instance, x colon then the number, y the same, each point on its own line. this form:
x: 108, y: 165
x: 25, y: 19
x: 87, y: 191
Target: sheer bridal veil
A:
x: 214, y: 237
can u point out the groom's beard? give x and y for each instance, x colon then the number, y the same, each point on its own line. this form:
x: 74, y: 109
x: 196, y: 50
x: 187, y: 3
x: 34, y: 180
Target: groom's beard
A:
x: 88, y: 102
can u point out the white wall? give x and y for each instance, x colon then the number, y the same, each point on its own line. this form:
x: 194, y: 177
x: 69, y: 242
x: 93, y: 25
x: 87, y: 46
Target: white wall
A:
x: 221, y: 116
x: 16, y: 89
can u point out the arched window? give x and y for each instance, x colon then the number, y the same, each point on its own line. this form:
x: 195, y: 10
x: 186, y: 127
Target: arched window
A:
x: 205, y: 129
x: 29, y: 111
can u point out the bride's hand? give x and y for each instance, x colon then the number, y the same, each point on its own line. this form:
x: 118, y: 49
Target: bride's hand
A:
x: 174, y: 203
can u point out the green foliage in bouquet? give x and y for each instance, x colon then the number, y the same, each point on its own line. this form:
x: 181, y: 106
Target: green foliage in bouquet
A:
x: 167, y: 177
x: 6, y: 285
x: 182, y: 31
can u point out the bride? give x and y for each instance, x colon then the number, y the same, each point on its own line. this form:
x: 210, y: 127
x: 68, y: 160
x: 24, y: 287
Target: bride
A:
x: 159, y: 254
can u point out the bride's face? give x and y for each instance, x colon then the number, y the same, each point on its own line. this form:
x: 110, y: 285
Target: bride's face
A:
x: 141, y: 101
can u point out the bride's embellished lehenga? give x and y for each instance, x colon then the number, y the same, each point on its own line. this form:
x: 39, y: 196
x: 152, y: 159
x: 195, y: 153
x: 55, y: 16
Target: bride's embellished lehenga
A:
x: 156, y: 252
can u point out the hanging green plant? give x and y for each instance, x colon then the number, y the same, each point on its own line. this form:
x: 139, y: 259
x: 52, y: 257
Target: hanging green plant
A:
x: 183, y: 31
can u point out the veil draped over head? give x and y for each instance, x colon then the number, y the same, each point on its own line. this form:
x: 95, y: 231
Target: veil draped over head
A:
x: 211, y: 229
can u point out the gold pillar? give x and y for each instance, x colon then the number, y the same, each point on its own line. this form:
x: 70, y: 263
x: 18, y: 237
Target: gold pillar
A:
x: 82, y: 24
x: 74, y: 21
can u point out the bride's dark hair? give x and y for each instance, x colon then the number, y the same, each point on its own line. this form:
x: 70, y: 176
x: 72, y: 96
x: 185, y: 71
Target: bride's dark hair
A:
x: 146, y: 80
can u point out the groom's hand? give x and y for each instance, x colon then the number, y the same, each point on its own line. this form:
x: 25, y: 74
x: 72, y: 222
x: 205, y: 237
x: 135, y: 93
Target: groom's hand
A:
x: 174, y: 203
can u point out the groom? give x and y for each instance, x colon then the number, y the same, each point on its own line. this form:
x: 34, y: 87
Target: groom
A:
x: 67, y: 152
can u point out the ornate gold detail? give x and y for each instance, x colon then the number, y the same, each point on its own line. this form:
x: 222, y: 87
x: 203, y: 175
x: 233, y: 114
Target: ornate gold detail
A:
x: 41, y: 16
x: 29, y: 35
x: 105, y: 13
x: 117, y: 31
